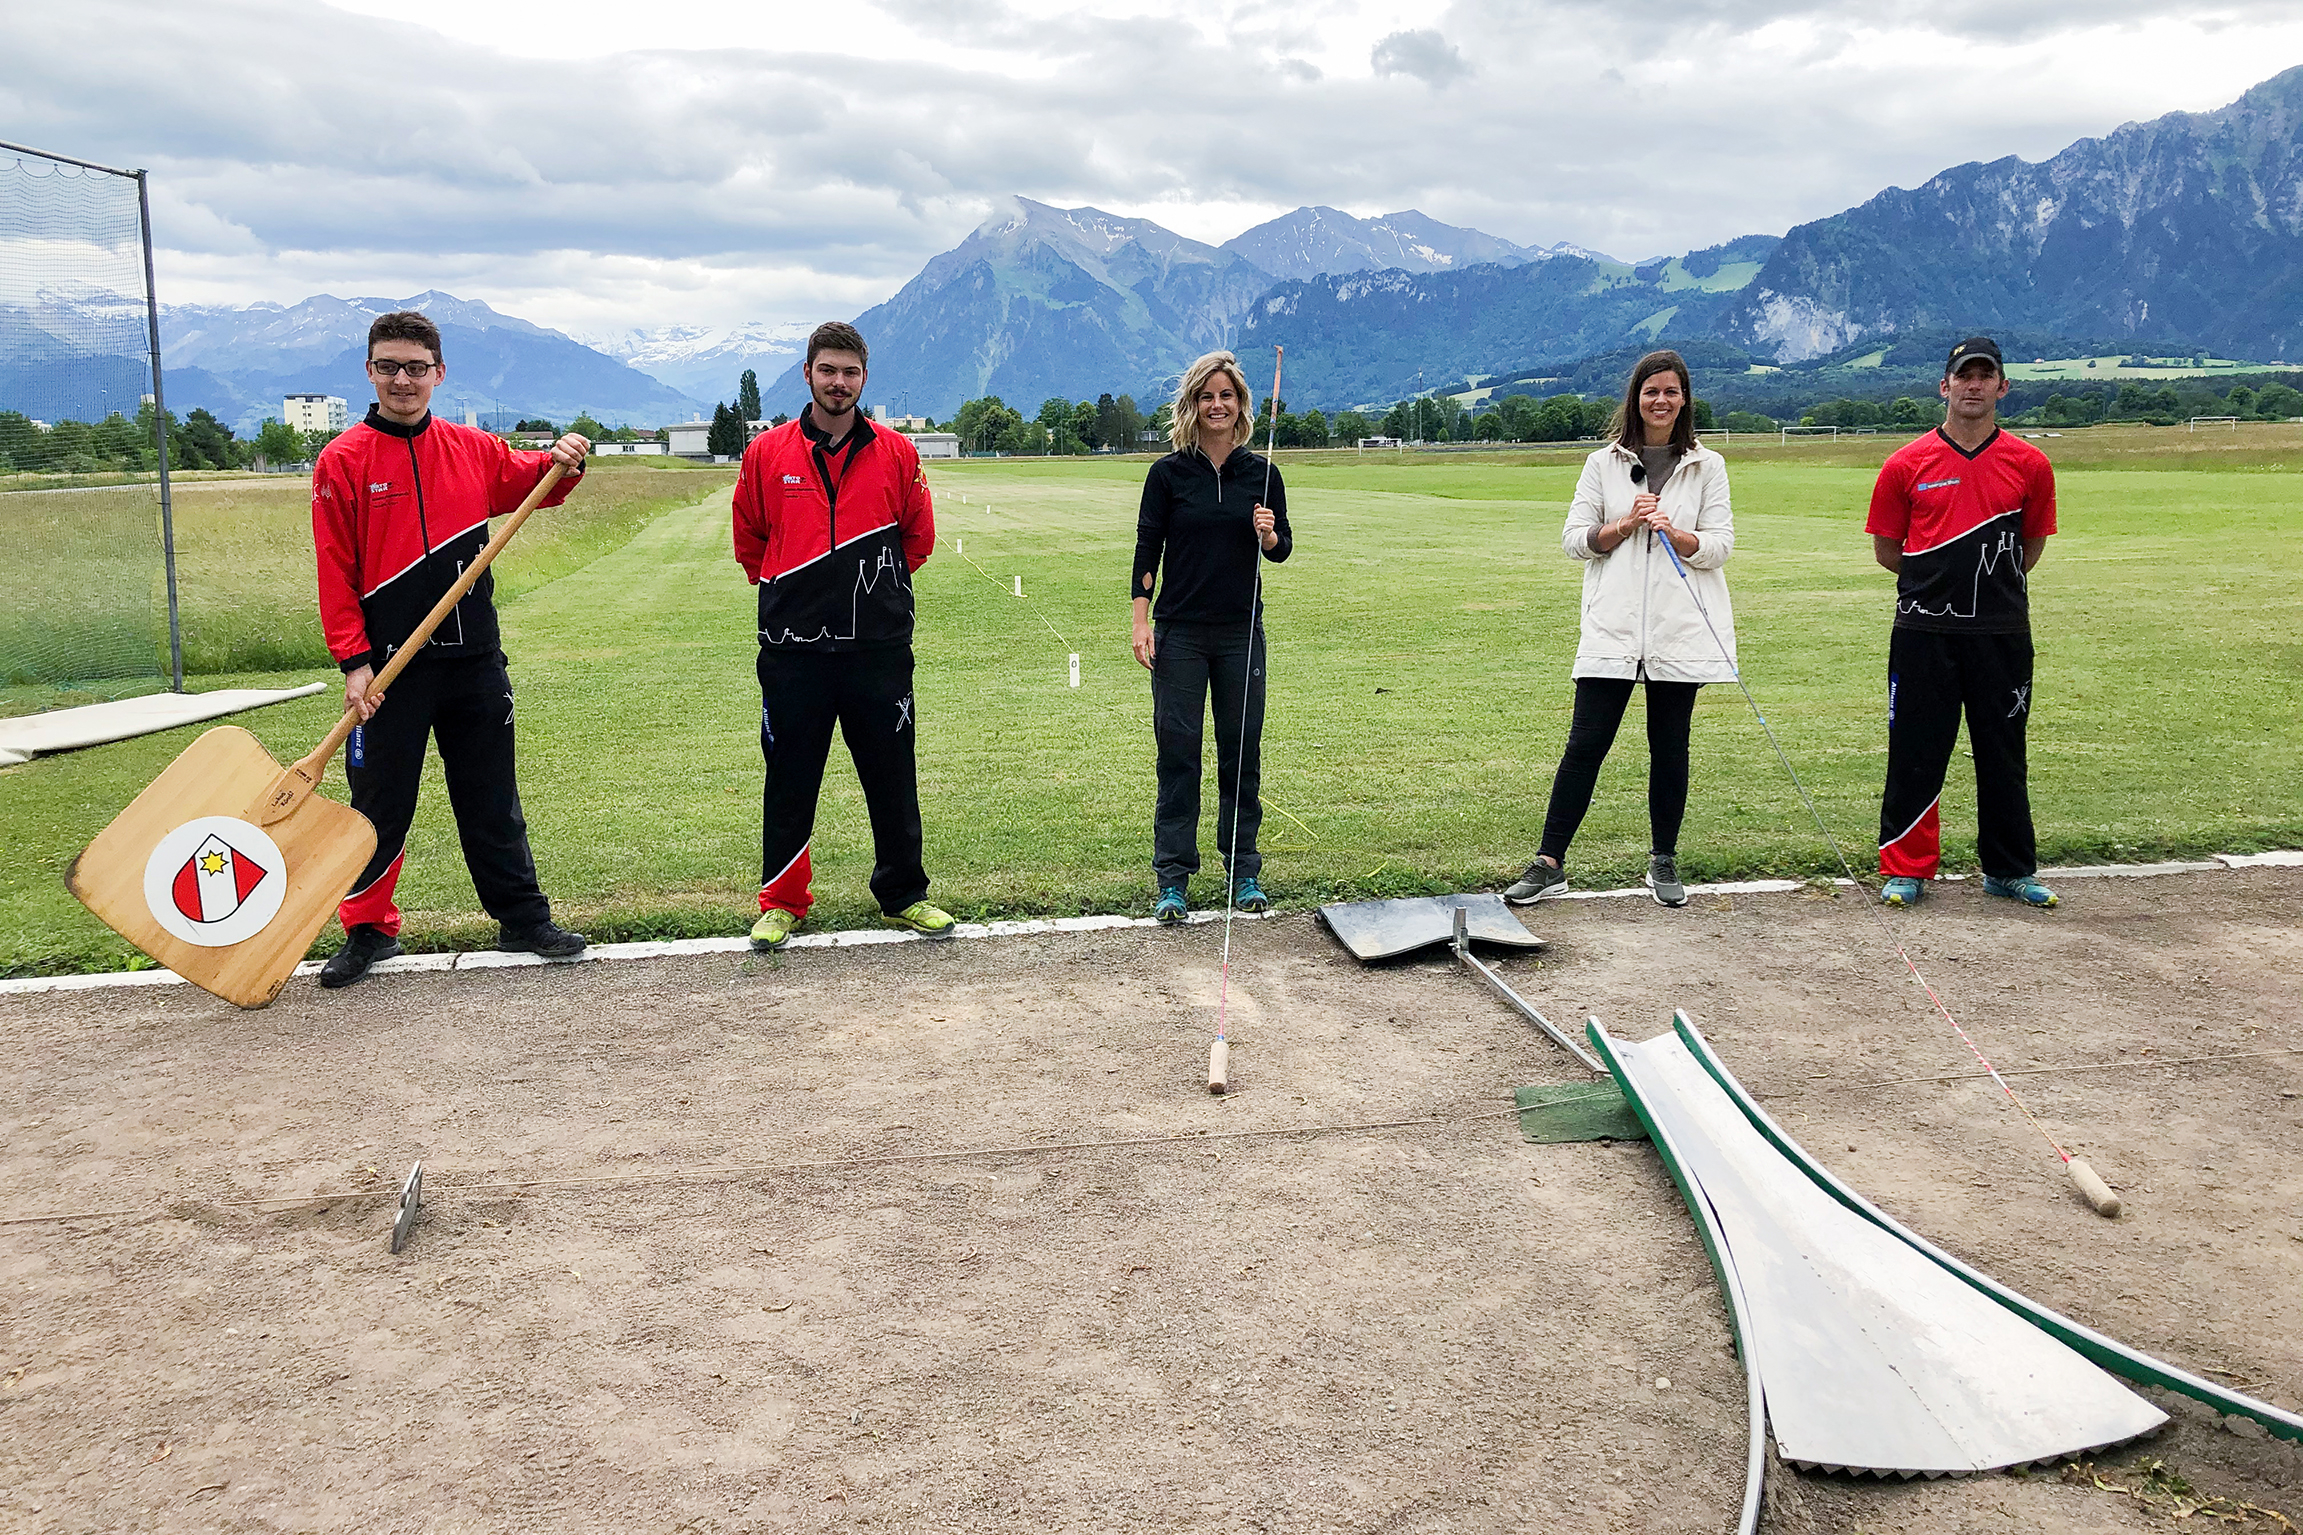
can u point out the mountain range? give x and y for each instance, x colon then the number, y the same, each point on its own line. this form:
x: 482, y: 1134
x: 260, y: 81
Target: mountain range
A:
x: 2188, y: 227
x: 705, y: 361
x: 1042, y: 301
x: 2179, y: 234
x: 1311, y: 242
x: 237, y: 361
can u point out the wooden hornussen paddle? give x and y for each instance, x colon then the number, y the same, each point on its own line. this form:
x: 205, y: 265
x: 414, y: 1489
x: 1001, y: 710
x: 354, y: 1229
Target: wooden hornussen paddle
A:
x: 228, y: 865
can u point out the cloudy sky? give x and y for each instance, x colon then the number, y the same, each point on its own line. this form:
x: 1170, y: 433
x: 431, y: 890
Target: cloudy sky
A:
x: 595, y: 166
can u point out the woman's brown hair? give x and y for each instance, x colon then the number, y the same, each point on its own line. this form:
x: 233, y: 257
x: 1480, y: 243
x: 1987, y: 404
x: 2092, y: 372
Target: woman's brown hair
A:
x: 1629, y: 430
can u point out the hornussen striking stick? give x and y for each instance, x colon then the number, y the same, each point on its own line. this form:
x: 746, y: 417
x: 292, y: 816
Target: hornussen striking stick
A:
x: 1219, y: 1053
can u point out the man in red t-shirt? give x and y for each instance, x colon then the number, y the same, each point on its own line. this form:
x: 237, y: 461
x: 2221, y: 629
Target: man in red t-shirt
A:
x: 400, y: 507
x: 1961, y: 516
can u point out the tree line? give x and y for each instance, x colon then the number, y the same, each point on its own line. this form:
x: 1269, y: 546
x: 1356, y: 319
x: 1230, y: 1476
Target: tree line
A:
x: 121, y: 444
x: 124, y: 444
x: 1113, y: 423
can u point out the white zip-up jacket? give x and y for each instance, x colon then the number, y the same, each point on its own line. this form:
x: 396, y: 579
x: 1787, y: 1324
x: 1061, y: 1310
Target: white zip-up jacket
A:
x: 1638, y: 621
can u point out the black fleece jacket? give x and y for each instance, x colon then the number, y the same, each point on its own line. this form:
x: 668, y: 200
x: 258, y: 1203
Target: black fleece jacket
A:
x: 1199, y: 521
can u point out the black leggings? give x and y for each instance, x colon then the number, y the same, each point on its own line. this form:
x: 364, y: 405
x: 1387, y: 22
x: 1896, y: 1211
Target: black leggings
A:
x: 1599, y: 706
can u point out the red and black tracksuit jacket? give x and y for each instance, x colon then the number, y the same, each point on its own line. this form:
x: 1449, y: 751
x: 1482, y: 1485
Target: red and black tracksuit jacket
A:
x: 832, y: 536
x: 398, y: 513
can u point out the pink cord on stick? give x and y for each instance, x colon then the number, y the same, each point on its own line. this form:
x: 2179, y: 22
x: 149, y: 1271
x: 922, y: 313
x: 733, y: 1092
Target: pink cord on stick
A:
x: 1219, y: 1054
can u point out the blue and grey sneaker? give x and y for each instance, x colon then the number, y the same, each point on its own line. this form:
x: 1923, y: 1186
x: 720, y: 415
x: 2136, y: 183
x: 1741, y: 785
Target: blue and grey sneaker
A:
x: 2025, y: 888
x: 1902, y: 890
x: 1247, y: 895
x: 1170, y: 905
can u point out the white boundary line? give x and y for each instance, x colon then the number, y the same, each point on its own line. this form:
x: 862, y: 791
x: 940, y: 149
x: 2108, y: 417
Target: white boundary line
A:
x: 857, y: 938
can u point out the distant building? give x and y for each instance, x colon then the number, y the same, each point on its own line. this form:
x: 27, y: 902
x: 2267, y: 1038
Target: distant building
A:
x: 691, y: 439
x: 315, y: 412
x: 629, y: 449
x: 937, y: 444
x: 900, y: 423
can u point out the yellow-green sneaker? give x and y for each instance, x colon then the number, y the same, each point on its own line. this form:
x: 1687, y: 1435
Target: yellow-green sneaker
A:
x: 923, y: 919
x: 773, y: 929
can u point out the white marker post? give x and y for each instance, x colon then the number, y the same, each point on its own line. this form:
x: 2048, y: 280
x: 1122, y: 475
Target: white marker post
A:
x: 1019, y: 586
x: 1075, y: 668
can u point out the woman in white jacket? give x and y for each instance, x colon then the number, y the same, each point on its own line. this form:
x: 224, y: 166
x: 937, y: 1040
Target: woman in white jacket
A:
x: 1640, y: 624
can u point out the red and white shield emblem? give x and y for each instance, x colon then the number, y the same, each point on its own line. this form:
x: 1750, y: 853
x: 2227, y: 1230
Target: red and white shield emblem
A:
x: 215, y: 881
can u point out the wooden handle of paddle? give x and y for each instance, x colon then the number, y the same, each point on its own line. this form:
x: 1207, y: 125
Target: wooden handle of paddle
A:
x: 297, y: 781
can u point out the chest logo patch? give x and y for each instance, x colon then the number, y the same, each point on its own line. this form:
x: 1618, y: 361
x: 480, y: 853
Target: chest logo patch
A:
x: 1936, y: 484
x: 378, y: 487
x: 793, y: 479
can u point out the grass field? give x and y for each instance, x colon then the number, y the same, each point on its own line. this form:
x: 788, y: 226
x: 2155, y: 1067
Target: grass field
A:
x: 86, y: 561
x: 1420, y: 648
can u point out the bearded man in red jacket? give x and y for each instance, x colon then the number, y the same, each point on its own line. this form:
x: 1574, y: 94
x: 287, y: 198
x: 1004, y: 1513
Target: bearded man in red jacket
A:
x: 832, y: 517
x: 400, y: 507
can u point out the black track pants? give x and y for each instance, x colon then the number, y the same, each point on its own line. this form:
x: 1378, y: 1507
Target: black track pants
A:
x: 1198, y: 669
x: 1931, y: 680
x: 1599, y: 706
x: 868, y: 694
x: 465, y: 703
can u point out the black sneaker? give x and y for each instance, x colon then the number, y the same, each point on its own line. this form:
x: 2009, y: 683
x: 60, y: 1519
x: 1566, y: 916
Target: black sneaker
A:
x: 546, y: 938
x: 1540, y: 880
x: 363, y: 946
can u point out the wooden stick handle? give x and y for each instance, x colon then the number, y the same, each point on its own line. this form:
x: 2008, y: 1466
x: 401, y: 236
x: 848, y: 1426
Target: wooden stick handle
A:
x: 303, y: 776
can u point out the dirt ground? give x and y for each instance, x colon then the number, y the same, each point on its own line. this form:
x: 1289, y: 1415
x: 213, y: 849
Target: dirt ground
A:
x: 1429, y: 1328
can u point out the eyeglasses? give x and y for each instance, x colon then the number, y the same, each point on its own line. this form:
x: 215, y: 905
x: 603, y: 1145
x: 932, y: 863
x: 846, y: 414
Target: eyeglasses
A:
x: 416, y: 371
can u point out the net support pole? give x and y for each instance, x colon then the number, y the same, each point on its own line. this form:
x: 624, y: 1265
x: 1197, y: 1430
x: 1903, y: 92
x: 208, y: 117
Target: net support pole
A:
x: 160, y: 438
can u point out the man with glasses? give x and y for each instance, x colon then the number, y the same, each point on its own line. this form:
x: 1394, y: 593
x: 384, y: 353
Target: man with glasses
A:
x: 400, y: 507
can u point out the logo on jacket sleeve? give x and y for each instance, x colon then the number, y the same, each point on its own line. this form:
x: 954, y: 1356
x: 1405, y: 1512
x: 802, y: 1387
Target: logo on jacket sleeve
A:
x: 215, y: 881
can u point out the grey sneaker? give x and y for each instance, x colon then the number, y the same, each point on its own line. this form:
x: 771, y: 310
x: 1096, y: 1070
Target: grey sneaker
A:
x: 1663, y: 878
x: 1542, y: 879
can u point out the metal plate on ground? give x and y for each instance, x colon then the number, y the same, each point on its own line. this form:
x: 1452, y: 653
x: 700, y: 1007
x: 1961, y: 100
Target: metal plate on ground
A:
x: 1871, y: 1357
x: 1387, y: 929
x: 411, y: 1200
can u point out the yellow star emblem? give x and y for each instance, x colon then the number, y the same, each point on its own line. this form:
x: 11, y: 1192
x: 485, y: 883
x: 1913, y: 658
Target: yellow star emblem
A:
x: 212, y: 863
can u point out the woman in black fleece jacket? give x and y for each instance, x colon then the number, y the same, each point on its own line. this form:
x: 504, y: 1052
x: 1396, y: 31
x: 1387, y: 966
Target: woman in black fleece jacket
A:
x: 1203, y: 527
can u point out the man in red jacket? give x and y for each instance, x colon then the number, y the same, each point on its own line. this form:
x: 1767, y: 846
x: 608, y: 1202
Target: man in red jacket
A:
x: 832, y: 516
x: 400, y: 506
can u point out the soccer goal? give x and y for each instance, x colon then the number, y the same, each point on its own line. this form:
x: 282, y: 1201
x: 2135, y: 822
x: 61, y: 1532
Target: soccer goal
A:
x: 1790, y: 432
x: 2229, y: 423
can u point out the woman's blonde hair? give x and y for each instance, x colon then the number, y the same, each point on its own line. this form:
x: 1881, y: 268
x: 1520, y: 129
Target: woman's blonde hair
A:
x: 1183, y: 428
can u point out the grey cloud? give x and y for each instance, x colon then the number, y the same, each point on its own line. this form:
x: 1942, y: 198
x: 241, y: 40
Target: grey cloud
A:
x: 1424, y: 54
x: 267, y: 127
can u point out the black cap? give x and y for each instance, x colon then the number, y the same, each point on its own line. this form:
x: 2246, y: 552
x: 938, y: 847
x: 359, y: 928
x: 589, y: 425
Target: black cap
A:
x: 1972, y: 348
